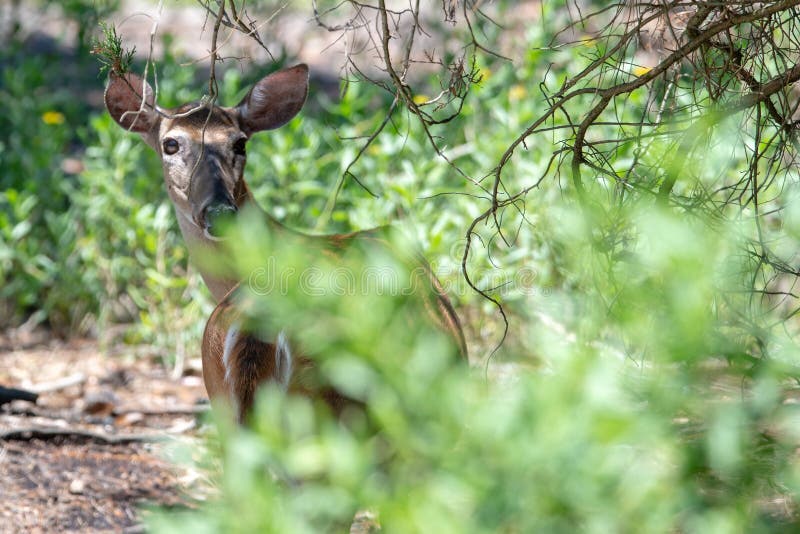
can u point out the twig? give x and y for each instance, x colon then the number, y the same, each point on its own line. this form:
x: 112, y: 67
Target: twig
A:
x: 169, y: 410
x: 74, y: 379
x: 27, y: 434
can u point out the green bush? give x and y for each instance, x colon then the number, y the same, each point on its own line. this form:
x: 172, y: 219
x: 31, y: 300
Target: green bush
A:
x: 36, y: 232
x: 84, y: 251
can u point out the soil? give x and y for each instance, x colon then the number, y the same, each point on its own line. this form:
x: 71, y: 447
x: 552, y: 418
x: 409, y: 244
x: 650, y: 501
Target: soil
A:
x: 87, y: 457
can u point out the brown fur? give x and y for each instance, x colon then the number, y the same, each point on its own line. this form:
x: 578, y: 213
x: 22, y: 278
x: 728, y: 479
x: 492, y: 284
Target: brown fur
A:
x: 253, y: 360
x: 200, y: 117
x: 252, y: 363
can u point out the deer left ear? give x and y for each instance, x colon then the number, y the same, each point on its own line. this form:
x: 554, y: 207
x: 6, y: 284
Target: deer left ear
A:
x: 125, y: 103
x: 274, y: 100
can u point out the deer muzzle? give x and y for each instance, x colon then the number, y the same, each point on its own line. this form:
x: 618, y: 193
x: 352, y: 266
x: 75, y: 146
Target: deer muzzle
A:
x: 212, y: 205
x: 217, y: 216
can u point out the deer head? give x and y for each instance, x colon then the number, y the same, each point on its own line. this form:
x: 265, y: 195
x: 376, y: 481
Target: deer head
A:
x: 203, y: 147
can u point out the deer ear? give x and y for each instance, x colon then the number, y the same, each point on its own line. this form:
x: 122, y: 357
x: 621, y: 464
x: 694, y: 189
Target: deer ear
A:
x: 274, y: 100
x: 123, y: 99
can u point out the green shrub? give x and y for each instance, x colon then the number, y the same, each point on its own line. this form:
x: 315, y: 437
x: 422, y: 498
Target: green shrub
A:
x: 84, y: 251
x: 643, y: 419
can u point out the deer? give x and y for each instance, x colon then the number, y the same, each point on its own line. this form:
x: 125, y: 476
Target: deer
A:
x: 202, y: 148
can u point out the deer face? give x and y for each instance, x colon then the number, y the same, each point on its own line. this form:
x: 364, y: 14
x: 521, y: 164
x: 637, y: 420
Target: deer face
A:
x: 202, y: 152
x: 203, y: 147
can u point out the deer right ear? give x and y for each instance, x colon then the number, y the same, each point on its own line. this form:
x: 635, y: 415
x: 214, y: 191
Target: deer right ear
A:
x: 123, y: 99
x: 274, y: 100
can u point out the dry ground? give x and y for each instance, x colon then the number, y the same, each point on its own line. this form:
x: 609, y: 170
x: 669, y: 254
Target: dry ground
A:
x: 97, y: 445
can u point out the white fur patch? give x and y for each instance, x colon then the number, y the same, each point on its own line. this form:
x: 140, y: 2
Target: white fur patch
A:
x: 283, y: 359
x: 211, y: 237
x: 230, y: 341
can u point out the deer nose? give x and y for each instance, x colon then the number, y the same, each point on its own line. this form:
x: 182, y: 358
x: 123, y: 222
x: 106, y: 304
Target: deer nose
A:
x: 216, y: 216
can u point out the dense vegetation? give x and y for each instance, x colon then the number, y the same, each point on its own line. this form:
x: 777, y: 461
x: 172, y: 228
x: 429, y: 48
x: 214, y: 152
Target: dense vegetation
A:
x: 653, y: 336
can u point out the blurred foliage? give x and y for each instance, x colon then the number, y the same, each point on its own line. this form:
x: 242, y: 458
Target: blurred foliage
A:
x: 649, y: 416
x: 87, y: 14
x: 644, y: 387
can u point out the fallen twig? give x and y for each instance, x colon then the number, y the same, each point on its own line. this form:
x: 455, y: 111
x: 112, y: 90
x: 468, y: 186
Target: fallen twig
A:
x: 74, y: 379
x: 167, y: 410
x: 43, y: 433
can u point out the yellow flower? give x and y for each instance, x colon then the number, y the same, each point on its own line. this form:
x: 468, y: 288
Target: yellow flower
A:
x: 53, y: 117
x: 485, y: 73
x: 420, y: 99
x: 640, y: 70
x: 517, y: 92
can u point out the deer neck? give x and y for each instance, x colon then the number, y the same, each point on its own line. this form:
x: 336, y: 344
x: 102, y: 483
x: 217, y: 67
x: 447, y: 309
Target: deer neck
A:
x: 200, y: 244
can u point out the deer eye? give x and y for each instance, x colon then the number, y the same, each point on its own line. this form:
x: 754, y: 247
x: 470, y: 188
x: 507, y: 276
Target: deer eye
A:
x: 171, y: 146
x: 239, y: 147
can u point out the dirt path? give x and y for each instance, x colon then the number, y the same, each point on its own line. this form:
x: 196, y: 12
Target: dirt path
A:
x: 88, y: 456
